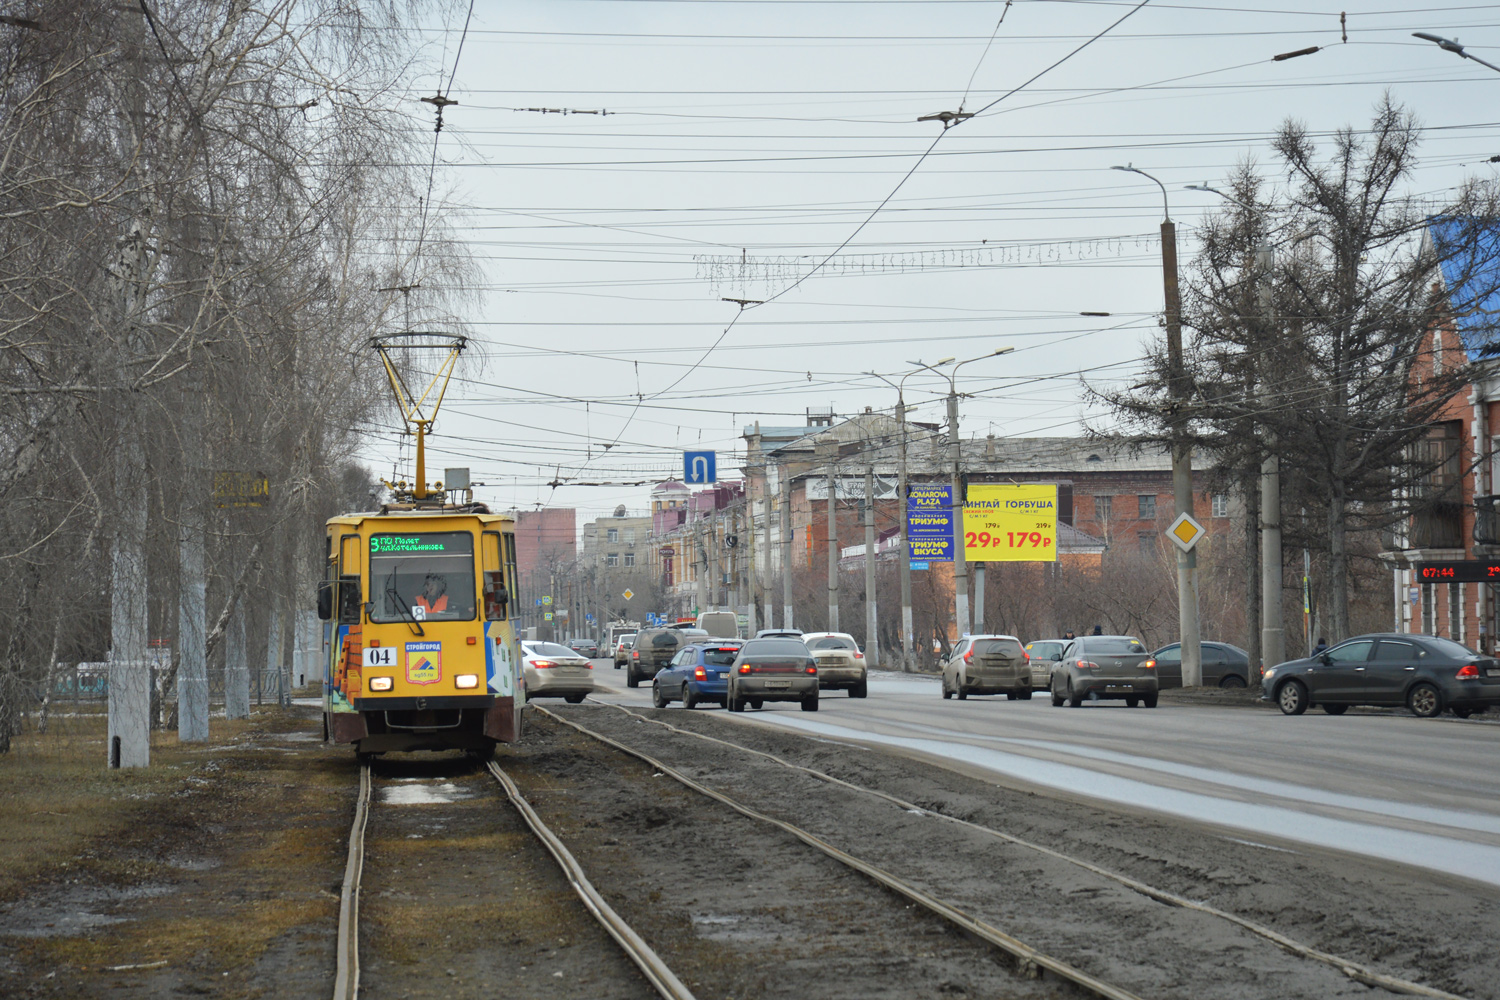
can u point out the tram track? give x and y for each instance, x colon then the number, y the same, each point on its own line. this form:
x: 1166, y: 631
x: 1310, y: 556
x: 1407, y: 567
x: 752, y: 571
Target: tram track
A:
x: 1029, y: 961
x: 1026, y: 956
x: 347, y: 964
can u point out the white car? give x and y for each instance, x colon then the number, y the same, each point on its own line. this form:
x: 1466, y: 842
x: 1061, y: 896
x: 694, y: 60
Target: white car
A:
x: 552, y: 670
x: 841, y: 663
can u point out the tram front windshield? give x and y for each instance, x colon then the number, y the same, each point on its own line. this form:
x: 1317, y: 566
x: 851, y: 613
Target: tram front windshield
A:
x: 423, y: 577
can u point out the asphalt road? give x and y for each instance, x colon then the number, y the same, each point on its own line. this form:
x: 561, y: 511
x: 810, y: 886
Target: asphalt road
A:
x: 1390, y: 786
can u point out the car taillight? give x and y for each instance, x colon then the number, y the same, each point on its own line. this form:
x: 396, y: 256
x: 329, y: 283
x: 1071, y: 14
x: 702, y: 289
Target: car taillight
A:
x: 744, y: 668
x: 380, y: 683
x: 1149, y: 664
x: 1086, y: 665
x: 968, y: 656
x: 859, y: 656
x: 635, y: 654
x: 1467, y: 671
x: 699, y: 674
x: 1026, y: 655
x: 541, y: 663
x: 812, y: 668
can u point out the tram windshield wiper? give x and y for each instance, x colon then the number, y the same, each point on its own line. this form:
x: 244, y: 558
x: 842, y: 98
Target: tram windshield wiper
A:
x: 401, y: 609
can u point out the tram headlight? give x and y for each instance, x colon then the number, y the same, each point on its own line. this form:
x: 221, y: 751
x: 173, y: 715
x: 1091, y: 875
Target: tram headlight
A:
x: 380, y: 683
x: 466, y: 681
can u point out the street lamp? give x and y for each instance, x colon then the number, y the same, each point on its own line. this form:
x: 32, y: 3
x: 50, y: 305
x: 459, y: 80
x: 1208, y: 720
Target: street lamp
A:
x: 1182, y: 460
x: 960, y: 566
x: 1451, y: 45
x: 908, y: 641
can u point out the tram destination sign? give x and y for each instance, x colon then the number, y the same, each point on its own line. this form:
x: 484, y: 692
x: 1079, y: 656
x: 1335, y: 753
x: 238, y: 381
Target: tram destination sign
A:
x: 1463, y: 571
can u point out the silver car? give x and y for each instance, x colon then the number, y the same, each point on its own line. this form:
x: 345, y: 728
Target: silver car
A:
x: 840, y: 662
x: 1044, y: 653
x: 773, y: 670
x: 1105, y: 666
x: 987, y: 664
x: 552, y: 670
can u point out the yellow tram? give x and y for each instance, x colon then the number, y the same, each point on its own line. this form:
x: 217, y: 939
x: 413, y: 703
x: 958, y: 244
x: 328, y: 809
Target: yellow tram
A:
x: 419, y: 596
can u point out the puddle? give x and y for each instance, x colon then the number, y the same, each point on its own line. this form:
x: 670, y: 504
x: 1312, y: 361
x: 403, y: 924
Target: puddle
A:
x: 413, y: 794
x: 73, y: 911
x: 724, y: 927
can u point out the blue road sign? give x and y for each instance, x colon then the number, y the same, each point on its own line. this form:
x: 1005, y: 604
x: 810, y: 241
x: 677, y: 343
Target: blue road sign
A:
x: 538, y: 602
x: 929, y: 523
x: 699, y: 467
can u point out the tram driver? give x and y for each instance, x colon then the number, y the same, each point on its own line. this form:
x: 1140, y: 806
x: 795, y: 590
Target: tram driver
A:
x: 434, y: 595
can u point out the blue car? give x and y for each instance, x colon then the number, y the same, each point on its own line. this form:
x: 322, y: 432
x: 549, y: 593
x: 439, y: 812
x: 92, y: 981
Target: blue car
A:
x: 699, y: 672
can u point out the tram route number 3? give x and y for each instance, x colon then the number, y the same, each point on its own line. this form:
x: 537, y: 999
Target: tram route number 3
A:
x: 381, y: 656
x: 1009, y: 539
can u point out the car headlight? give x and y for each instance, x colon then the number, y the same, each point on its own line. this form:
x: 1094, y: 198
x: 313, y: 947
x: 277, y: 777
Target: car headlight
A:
x: 1268, y: 675
x: 466, y: 681
x: 380, y: 683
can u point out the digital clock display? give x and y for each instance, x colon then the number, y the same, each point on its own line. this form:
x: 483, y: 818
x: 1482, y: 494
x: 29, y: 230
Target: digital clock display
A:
x: 1466, y: 571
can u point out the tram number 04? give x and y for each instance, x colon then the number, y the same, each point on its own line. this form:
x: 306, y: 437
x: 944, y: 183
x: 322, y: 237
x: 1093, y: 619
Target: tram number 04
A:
x: 1008, y: 539
x: 384, y: 656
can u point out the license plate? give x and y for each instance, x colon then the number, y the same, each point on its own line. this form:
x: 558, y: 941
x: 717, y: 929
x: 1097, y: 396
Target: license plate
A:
x: 1492, y: 672
x: 778, y: 684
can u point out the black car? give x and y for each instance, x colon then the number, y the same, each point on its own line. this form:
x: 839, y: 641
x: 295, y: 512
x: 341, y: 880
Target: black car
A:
x: 588, y: 647
x: 1224, y: 665
x: 1425, y: 673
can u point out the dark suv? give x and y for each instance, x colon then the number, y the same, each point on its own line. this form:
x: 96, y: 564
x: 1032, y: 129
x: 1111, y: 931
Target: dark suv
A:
x: 654, y: 649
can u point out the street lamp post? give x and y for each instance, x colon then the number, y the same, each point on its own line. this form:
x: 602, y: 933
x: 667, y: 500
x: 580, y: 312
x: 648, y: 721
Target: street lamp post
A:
x: 960, y: 565
x: 908, y: 639
x: 1182, y: 461
x: 1451, y: 45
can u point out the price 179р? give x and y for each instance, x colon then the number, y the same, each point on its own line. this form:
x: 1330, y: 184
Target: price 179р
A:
x: 1010, y: 539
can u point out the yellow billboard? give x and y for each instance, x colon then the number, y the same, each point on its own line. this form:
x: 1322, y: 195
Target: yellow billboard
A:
x: 1011, y: 522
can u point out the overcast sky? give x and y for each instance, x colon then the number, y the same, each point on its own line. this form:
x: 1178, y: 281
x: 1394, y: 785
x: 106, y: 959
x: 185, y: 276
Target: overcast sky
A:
x: 746, y: 141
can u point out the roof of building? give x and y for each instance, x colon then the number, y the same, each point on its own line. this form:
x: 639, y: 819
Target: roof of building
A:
x: 670, y: 486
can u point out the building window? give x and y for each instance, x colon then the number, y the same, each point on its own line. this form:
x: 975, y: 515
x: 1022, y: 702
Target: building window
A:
x: 1102, y: 507
x: 1221, y: 505
x: 1146, y: 540
x: 613, y: 559
x: 1148, y: 506
x: 612, y: 535
x: 629, y: 536
x: 630, y: 559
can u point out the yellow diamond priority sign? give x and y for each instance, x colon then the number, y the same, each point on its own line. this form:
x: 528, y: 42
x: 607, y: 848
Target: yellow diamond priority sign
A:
x: 628, y: 594
x: 1185, y: 532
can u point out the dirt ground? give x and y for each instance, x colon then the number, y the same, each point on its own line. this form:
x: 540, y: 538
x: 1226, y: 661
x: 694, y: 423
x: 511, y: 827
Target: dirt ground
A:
x: 217, y: 874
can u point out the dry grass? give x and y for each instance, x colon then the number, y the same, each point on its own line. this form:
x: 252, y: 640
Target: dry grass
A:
x: 57, y: 794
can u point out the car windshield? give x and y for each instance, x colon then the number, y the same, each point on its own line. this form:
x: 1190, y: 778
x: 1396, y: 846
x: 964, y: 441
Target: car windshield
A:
x: 1111, y: 644
x: 720, y: 656
x: 832, y: 642
x: 1447, y: 647
x: 550, y: 649
x: 997, y: 647
x: 775, y: 648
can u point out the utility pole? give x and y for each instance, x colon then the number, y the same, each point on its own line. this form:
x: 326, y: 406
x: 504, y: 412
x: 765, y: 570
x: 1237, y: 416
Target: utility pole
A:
x: 716, y: 577
x: 908, y: 640
x: 960, y: 566
x: 752, y: 585
x: 830, y: 448
x: 786, y: 553
x: 872, y: 634
x: 1182, y: 459
x: 1272, y: 634
x: 979, y: 598
x: 700, y: 560
x: 766, y: 592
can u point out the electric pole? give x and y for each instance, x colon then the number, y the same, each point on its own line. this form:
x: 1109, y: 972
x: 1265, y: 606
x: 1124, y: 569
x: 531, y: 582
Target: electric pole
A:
x: 829, y: 445
x: 872, y: 636
x: 786, y: 552
x: 1182, y: 459
x: 1272, y: 634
